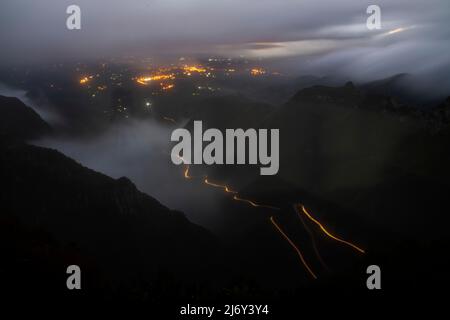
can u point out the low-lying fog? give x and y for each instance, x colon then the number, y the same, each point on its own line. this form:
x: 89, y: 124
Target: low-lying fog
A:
x: 49, y: 117
x: 140, y: 150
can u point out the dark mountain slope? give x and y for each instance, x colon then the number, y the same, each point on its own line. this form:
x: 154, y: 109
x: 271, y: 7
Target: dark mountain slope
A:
x: 396, y: 86
x: 410, y: 89
x: 129, y: 233
x: 17, y: 121
x: 349, y: 147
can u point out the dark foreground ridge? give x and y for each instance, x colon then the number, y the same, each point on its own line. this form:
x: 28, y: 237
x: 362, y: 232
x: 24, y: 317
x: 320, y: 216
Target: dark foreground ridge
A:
x: 108, y: 224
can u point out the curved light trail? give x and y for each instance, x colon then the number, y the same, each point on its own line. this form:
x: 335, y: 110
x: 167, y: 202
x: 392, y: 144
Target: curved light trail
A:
x: 293, y: 246
x: 313, y: 241
x: 224, y: 187
x: 254, y: 204
x: 186, y: 172
x: 327, y: 232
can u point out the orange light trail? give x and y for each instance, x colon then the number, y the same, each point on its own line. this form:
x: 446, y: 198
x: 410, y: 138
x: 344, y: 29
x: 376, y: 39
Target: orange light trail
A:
x: 224, y: 187
x: 186, y: 173
x: 254, y: 204
x: 293, y: 246
x: 327, y: 232
x: 313, y: 241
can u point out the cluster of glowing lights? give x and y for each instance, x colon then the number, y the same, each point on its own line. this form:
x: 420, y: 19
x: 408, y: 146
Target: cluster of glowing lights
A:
x: 188, y: 70
x: 257, y: 72
x: 166, y: 87
x: 157, y: 77
x: 85, y: 80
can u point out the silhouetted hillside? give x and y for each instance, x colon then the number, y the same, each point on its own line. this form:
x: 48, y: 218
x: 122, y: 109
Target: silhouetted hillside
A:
x: 107, y: 216
x: 17, y: 121
x: 348, y: 146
